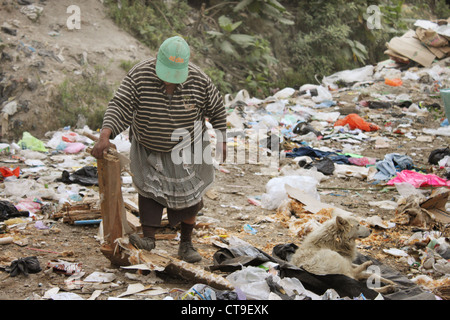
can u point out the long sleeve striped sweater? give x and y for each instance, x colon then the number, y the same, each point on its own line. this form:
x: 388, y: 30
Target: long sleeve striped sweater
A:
x: 154, y: 117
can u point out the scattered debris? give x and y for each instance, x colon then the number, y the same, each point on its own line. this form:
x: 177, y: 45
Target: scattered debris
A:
x: 370, y: 143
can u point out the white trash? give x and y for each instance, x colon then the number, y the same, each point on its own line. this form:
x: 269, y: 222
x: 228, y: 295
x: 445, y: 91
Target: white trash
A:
x: 349, y: 76
x: 276, y: 192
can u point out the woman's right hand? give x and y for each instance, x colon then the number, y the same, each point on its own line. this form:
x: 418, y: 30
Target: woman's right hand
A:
x: 102, y: 145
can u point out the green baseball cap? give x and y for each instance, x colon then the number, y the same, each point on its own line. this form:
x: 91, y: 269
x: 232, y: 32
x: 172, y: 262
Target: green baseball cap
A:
x: 173, y: 60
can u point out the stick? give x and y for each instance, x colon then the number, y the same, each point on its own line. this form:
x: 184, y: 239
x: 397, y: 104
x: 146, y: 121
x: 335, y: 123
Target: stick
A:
x: 42, y: 250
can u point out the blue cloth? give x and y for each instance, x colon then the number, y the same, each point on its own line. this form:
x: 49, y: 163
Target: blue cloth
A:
x: 314, y: 153
x: 392, y: 163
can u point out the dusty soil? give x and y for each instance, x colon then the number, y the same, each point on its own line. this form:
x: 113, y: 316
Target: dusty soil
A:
x: 44, y: 52
x: 228, y: 211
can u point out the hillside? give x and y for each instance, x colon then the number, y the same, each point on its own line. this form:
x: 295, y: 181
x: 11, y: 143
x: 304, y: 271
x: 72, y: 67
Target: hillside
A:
x: 39, y: 54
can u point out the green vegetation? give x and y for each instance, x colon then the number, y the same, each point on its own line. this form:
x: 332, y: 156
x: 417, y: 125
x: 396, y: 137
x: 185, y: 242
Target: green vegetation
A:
x: 261, y: 45
x: 127, y: 64
x: 86, y: 94
x: 258, y: 45
x: 149, y: 21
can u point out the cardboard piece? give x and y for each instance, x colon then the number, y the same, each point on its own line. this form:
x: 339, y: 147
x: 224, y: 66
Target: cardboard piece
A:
x: 312, y: 204
x: 436, y: 205
x: 440, y: 51
x: 409, y: 46
x: 431, y: 38
x: 424, y: 213
x: 396, y: 57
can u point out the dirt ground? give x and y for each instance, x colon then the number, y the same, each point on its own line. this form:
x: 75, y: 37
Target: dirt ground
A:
x: 227, y: 208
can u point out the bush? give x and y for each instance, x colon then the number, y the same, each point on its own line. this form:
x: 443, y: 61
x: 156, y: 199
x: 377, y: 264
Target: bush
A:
x: 85, y: 95
x: 261, y: 45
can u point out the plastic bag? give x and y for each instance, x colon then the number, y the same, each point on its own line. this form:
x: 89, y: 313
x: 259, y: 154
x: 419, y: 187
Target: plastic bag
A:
x: 437, y: 155
x: 350, y: 76
x: 32, y: 143
x: 86, y: 176
x: 74, y: 147
x: 70, y: 137
x: 418, y: 179
x: 267, y: 122
x: 354, y: 121
x: 8, y: 210
x: 7, y: 172
x: 252, y: 282
x: 276, y: 107
x: 31, y: 205
x: 24, y: 265
x: 393, y: 82
x: 276, y: 192
x: 285, y: 93
x: 322, y: 95
x: 19, y: 188
x: 204, y: 292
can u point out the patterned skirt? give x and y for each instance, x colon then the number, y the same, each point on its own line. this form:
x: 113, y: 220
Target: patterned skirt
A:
x: 167, y: 179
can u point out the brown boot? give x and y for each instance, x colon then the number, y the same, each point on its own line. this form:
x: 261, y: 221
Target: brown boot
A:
x: 188, y: 253
x: 145, y: 243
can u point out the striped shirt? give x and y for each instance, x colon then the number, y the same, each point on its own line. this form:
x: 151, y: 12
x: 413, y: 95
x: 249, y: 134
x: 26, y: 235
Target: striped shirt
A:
x: 142, y: 104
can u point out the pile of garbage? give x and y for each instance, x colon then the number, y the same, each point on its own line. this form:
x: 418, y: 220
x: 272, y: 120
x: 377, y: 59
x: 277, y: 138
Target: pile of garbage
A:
x: 299, y: 137
x: 428, y: 42
x: 323, y: 130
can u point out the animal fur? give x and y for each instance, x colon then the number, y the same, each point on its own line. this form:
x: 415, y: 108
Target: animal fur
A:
x: 331, y: 248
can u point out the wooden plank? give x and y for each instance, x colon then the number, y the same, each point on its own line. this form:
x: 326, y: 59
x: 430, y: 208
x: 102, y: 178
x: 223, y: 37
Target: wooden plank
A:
x: 111, y: 201
x: 133, y: 222
x: 81, y: 216
x: 161, y: 262
x: 131, y: 205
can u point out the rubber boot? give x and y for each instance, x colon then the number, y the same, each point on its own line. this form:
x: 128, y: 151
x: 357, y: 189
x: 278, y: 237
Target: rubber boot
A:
x: 145, y: 243
x: 188, y: 253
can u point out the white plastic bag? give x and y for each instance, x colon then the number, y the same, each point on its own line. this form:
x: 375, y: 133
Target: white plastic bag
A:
x: 252, y: 282
x: 276, y: 107
x: 276, y: 192
x: 322, y: 95
x: 284, y: 93
x: 18, y: 188
x: 350, y: 76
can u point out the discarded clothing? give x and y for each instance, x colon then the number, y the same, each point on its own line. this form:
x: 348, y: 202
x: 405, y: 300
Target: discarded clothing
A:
x: 315, y: 153
x: 392, y: 163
